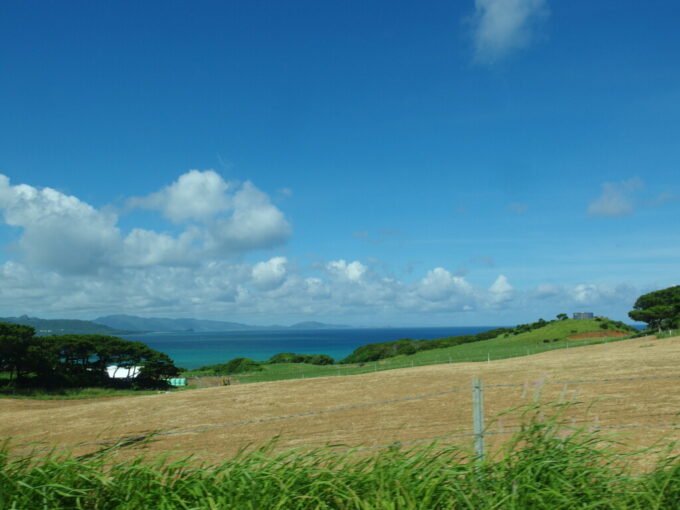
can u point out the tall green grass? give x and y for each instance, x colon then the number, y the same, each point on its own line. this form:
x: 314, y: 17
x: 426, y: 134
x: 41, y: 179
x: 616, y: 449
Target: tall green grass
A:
x: 541, y: 467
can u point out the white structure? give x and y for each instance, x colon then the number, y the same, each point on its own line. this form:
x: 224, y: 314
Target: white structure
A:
x: 116, y: 372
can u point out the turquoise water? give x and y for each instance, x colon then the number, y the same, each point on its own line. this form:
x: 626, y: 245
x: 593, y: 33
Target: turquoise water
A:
x: 193, y: 350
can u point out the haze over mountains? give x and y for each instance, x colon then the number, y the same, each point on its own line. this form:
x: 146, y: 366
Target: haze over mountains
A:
x: 121, y: 324
x: 133, y: 323
x: 45, y: 327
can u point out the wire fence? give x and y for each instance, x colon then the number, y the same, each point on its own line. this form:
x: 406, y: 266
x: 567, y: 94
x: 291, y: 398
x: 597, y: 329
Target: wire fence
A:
x: 479, y: 431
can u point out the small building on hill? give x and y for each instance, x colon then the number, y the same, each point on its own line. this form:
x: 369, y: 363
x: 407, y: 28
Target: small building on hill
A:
x: 584, y: 315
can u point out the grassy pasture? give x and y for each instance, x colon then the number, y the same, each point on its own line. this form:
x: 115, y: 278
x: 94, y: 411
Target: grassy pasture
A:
x: 214, y: 422
x: 340, y: 460
x: 548, y: 338
x: 541, y: 467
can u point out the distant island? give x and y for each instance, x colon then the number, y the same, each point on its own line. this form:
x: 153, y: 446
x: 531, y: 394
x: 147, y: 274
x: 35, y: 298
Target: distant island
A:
x: 125, y: 324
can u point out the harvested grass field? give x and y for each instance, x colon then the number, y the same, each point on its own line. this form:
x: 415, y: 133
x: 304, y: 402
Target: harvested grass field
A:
x: 204, y: 422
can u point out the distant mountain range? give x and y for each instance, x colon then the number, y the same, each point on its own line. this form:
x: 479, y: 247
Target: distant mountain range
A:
x: 125, y: 324
x: 133, y: 323
x: 44, y: 327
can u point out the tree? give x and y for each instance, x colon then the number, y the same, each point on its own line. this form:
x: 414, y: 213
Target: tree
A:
x: 76, y: 360
x: 659, y: 309
x: 156, y: 367
x: 15, y: 349
x: 562, y: 316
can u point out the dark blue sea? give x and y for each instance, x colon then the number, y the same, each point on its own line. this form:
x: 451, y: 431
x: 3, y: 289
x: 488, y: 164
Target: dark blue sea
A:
x: 193, y: 350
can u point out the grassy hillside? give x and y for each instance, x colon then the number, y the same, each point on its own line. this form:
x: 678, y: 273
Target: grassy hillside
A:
x: 553, y: 335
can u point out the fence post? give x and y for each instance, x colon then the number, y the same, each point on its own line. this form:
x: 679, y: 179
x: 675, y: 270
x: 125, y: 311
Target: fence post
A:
x: 478, y: 417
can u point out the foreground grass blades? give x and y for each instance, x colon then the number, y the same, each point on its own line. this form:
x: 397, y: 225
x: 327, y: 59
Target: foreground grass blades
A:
x: 545, y: 466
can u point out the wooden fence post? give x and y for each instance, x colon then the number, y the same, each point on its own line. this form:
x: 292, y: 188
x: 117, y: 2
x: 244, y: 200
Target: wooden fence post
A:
x: 478, y: 417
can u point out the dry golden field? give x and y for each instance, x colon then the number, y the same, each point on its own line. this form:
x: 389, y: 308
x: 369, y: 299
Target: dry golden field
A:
x: 201, y: 422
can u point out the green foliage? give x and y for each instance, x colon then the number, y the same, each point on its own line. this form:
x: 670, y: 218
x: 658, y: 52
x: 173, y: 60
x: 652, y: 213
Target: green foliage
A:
x: 406, y: 346
x: 312, y: 359
x: 234, y: 366
x: 524, y: 328
x: 659, y: 309
x: 68, y: 361
x: 562, y: 316
x: 540, y: 468
x: 73, y: 393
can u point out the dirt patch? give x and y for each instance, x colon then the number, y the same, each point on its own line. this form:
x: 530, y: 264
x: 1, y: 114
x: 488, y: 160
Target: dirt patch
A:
x: 214, y: 423
x: 599, y: 334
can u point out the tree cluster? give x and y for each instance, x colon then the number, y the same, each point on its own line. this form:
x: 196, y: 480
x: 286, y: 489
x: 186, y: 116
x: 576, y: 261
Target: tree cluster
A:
x: 659, y: 309
x: 406, y: 346
x: 312, y: 359
x: 233, y: 366
x: 77, y: 360
x: 525, y: 328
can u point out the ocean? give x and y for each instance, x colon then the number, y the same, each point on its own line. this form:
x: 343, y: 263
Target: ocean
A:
x: 193, y: 350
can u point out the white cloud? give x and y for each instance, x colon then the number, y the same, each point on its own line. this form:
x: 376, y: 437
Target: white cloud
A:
x: 59, y: 230
x: 504, y: 26
x: 316, y: 288
x: 63, y: 233
x: 194, y: 196
x: 616, y: 198
x: 439, y: 285
x: 270, y: 274
x: 501, y: 291
x: 353, y: 272
x: 146, y: 248
x: 597, y: 296
x: 255, y: 223
x: 225, y: 217
x: 74, y: 260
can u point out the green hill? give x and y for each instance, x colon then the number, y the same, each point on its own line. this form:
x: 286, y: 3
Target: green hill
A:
x: 524, y: 335
x: 521, y: 340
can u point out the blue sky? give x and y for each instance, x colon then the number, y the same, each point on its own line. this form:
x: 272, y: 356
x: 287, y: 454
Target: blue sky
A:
x: 478, y: 162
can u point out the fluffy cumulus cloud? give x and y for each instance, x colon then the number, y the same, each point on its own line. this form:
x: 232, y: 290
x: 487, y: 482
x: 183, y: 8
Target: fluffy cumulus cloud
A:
x: 194, y: 196
x: 63, y: 233
x: 70, y: 259
x: 503, y: 26
x: 617, y: 198
x: 591, y: 294
x: 440, y: 285
x: 59, y: 230
x: 254, y: 223
x: 501, y: 291
x: 146, y: 248
x: 269, y: 274
x: 602, y: 298
x: 352, y: 272
x: 225, y: 217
